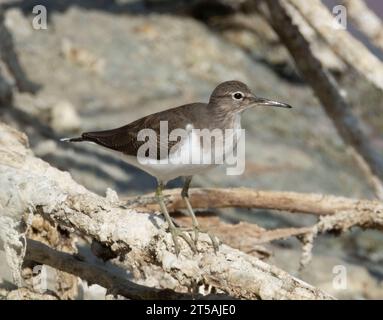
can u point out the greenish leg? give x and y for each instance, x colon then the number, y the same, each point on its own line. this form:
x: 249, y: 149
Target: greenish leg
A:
x: 175, y: 232
x: 196, y: 227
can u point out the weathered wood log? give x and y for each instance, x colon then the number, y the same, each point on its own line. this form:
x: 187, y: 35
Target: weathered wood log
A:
x: 32, y: 184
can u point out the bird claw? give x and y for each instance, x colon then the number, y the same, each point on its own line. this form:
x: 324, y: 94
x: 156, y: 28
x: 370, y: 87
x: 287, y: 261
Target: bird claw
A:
x: 176, y: 232
x: 197, y: 230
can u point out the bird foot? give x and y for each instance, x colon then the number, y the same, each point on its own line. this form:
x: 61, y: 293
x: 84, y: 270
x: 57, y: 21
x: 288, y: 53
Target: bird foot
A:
x: 197, y: 230
x: 177, y: 232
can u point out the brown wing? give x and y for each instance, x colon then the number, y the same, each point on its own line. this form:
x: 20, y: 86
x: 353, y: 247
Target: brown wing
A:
x: 119, y: 139
x: 124, y: 139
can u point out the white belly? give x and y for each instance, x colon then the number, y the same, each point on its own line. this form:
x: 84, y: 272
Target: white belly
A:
x: 181, y: 163
x: 169, y: 171
x: 178, y: 164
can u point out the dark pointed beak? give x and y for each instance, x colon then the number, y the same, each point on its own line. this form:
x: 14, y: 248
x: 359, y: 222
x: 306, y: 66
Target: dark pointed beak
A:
x: 256, y: 101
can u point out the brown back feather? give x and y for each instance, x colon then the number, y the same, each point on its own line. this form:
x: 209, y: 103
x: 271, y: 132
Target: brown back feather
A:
x: 124, y: 139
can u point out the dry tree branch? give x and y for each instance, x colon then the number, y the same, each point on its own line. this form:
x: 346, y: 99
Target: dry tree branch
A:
x: 115, y: 284
x: 339, y: 222
x: 243, y: 232
x: 324, y: 86
x: 336, y: 214
x: 244, y: 236
x: 373, y: 180
x: 322, y: 51
x: 365, y: 20
x: 309, y: 203
x: 138, y: 237
x: 352, y: 51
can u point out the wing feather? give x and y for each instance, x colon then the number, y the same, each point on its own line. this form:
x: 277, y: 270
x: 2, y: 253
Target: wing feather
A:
x: 124, y: 139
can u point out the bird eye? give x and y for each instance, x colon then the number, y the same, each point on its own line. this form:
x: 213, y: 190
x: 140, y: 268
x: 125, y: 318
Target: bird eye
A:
x: 238, y: 95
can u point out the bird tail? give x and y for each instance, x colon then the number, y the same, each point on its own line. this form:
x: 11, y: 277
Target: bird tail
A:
x: 86, y: 136
x: 104, y: 138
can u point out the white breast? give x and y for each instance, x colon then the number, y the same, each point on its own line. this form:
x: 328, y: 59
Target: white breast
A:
x: 180, y: 163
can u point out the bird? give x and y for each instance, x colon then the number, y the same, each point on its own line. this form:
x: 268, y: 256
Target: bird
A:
x: 166, y: 157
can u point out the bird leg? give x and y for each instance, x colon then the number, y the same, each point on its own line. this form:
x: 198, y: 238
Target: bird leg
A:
x: 196, y: 226
x: 175, y: 232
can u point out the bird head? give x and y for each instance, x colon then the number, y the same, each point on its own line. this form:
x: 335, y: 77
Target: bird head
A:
x: 238, y: 97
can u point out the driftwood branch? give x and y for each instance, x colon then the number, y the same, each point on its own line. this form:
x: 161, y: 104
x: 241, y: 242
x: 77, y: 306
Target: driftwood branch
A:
x: 365, y: 20
x: 337, y: 214
x: 340, y: 222
x: 351, y: 50
x: 320, y: 49
x: 244, y: 236
x: 115, y: 284
x: 324, y: 86
x: 317, y: 204
x: 373, y: 180
x: 141, y: 238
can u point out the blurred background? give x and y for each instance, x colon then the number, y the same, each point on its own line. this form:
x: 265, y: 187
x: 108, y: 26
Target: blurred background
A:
x: 102, y: 64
